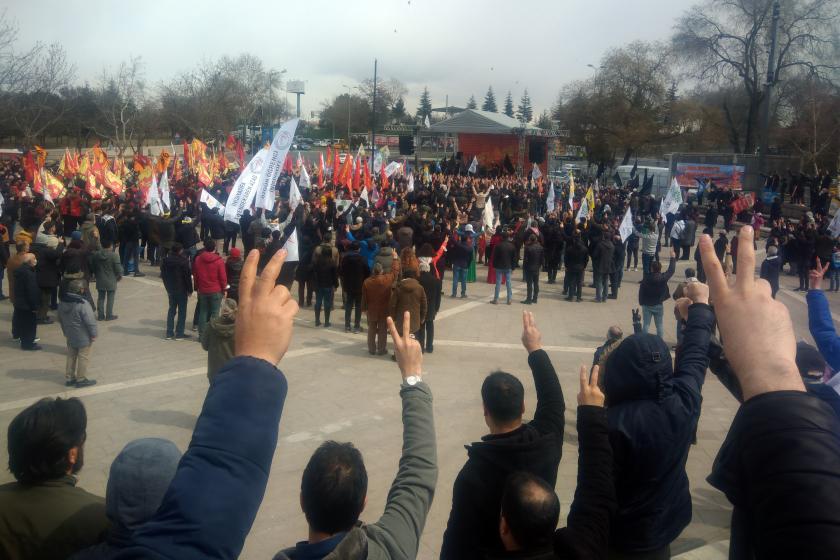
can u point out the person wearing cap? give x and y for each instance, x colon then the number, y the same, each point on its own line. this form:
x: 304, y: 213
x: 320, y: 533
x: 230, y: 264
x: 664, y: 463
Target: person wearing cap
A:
x: 653, y: 409
x: 137, y: 482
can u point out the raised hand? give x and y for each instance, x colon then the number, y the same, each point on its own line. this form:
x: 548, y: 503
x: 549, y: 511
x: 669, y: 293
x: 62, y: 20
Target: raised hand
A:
x: 697, y: 292
x: 590, y: 394
x: 266, y: 311
x: 756, y: 330
x: 531, y: 337
x: 816, y: 275
x: 406, y: 348
x: 637, y: 316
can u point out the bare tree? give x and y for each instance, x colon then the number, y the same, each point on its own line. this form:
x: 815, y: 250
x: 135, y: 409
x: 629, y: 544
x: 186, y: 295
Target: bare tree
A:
x: 120, y: 98
x: 13, y: 64
x: 725, y: 42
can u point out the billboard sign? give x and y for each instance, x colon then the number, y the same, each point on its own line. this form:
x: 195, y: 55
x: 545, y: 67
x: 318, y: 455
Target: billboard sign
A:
x: 730, y: 176
x: 295, y: 86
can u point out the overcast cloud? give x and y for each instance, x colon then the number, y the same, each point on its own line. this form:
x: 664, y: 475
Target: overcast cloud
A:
x: 455, y: 47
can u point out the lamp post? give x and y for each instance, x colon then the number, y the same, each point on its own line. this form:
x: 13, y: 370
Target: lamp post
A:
x: 348, y: 113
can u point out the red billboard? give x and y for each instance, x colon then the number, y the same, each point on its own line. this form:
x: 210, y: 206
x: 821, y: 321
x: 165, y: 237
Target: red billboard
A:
x: 730, y: 176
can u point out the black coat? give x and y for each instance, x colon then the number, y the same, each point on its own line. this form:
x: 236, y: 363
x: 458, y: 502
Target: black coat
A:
x: 354, y: 270
x: 186, y: 236
x: 576, y: 256
x: 535, y: 447
x: 653, y: 413
x: 504, y: 255
x: 654, y: 287
x: 27, y: 293
x: 175, y: 271
x: 779, y: 466
x: 233, y: 270
x: 432, y: 286
x: 534, y: 258
x: 75, y: 259
x: 107, y: 229
x: 47, y: 269
x: 602, y: 256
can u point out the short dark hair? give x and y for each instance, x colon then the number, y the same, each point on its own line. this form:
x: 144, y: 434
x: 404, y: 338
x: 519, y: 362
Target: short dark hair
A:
x: 503, y: 395
x: 209, y: 245
x: 275, y: 234
x: 41, y: 436
x: 530, y: 508
x: 177, y: 248
x: 409, y: 273
x: 106, y: 243
x: 334, y: 487
x: 690, y: 273
x: 656, y: 266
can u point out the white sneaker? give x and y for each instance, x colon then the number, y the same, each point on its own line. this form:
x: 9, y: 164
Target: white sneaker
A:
x: 37, y: 340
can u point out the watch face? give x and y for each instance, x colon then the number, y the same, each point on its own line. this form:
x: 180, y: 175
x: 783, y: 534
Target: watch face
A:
x: 412, y: 379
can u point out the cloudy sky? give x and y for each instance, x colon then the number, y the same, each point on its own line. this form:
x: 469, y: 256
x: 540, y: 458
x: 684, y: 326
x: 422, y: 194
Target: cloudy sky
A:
x: 455, y: 47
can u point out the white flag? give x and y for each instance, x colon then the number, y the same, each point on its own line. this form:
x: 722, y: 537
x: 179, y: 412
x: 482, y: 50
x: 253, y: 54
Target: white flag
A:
x: 304, y: 177
x: 426, y: 122
x: 153, y: 198
x: 164, y: 190
x: 377, y: 162
x: 2, y: 201
x: 210, y: 200
x: 294, y: 195
x: 274, y: 164
x: 245, y: 188
x: 391, y: 168
x: 833, y: 227
x: 672, y: 201
x: 364, y: 196
x: 291, y: 247
x: 626, y: 227
x: 535, y: 172
x: 549, y: 201
x: 410, y: 187
x: 571, y: 191
x: 488, y: 216
x: 474, y: 165
x: 583, y: 211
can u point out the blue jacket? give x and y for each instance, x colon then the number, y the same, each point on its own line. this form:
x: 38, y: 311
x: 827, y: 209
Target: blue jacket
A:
x: 653, y: 409
x: 211, y: 504
x: 821, y: 326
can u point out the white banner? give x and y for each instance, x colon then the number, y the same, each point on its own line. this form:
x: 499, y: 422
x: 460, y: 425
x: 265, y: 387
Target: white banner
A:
x: 391, y: 168
x: 291, y: 247
x: 535, y: 172
x: 474, y: 165
x: 626, y: 227
x: 672, y: 201
x: 274, y: 164
x: 549, y: 201
x: 304, y: 177
x: 364, y: 196
x: 583, y: 211
x: 245, y: 188
x: 153, y: 198
x: 210, y: 200
x: 164, y: 190
x: 410, y: 187
x: 488, y: 217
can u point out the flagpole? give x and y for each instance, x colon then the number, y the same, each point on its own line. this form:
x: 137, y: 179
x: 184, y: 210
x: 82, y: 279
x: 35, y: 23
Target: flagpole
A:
x: 373, y: 113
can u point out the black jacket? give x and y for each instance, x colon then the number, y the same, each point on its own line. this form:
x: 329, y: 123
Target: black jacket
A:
x: 233, y: 270
x: 107, y: 229
x: 576, y: 256
x: 653, y: 413
x: 504, y: 255
x: 175, y: 271
x: 654, y: 287
x: 535, y: 447
x: 780, y: 468
x: 47, y: 269
x: 534, y: 258
x: 432, y: 286
x: 602, y: 256
x: 186, y: 236
x: 27, y: 293
x: 354, y: 270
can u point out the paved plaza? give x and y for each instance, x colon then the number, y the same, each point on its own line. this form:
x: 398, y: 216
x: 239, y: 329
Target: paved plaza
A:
x: 148, y: 386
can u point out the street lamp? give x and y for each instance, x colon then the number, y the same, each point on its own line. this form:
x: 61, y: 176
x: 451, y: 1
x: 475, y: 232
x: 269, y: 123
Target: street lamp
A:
x: 348, y: 112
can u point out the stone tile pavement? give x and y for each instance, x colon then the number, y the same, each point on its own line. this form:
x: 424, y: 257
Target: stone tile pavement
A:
x: 152, y: 387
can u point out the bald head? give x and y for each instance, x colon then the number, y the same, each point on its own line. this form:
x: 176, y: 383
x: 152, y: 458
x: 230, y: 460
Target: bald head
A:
x: 614, y: 333
x: 530, y: 512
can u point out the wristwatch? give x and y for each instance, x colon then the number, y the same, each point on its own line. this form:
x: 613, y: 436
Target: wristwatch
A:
x: 413, y: 379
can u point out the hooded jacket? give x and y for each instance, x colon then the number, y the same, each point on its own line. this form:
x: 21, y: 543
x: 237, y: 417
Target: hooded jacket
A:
x: 78, y: 322
x: 137, y: 481
x: 408, y: 295
x: 105, y: 267
x: 209, y: 273
x: 218, y: 340
x: 653, y: 414
x: 175, y: 272
x: 535, y: 447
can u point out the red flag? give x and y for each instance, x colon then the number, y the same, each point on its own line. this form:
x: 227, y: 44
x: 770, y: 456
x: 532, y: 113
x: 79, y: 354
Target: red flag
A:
x: 231, y: 142
x: 384, y: 178
x: 240, y: 154
x: 347, y: 170
x: 367, y: 174
x: 357, y: 175
x: 187, y: 162
x: 287, y: 164
x: 29, y: 166
x: 336, y: 168
x: 329, y: 156
x: 321, y: 171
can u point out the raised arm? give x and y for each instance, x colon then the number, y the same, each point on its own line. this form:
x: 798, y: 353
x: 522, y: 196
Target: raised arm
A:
x: 551, y: 407
x: 211, y: 503
x: 411, y: 493
x: 820, y: 321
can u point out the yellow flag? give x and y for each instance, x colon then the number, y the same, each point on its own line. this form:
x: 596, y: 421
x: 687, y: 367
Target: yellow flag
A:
x: 590, y: 198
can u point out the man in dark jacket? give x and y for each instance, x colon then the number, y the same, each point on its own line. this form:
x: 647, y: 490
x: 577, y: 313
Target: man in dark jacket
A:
x: 532, y: 264
x: 27, y: 300
x: 653, y: 413
x: 602, y: 266
x: 432, y: 286
x: 129, y: 235
x: 780, y: 463
x: 575, y: 259
x: 47, y: 271
x: 44, y: 514
x: 504, y: 259
x: 617, y: 273
x: 177, y: 279
x: 653, y: 291
x: 353, y: 271
x: 511, y: 446
x: 530, y: 508
x: 460, y: 254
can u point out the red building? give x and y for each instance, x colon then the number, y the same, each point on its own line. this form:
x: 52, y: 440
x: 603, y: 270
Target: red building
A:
x: 492, y: 136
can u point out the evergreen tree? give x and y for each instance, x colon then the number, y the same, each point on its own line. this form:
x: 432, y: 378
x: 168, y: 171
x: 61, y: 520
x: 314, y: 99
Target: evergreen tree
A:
x: 509, y: 104
x: 490, y: 101
x: 425, y: 109
x: 471, y: 104
x: 525, y: 112
x: 398, y: 110
x: 544, y: 121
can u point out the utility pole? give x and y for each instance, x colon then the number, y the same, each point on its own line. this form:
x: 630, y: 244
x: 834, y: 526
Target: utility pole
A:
x: 373, y: 114
x: 348, y: 114
x: 768, y: 91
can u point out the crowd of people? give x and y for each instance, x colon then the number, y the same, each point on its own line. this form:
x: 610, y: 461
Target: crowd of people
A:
x: 389, y: 251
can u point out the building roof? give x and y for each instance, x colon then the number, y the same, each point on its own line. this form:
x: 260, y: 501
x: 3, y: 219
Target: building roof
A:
x: 480, y: 122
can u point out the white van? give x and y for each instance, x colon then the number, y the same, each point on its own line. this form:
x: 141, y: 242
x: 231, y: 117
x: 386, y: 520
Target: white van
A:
x: 661, y: 177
